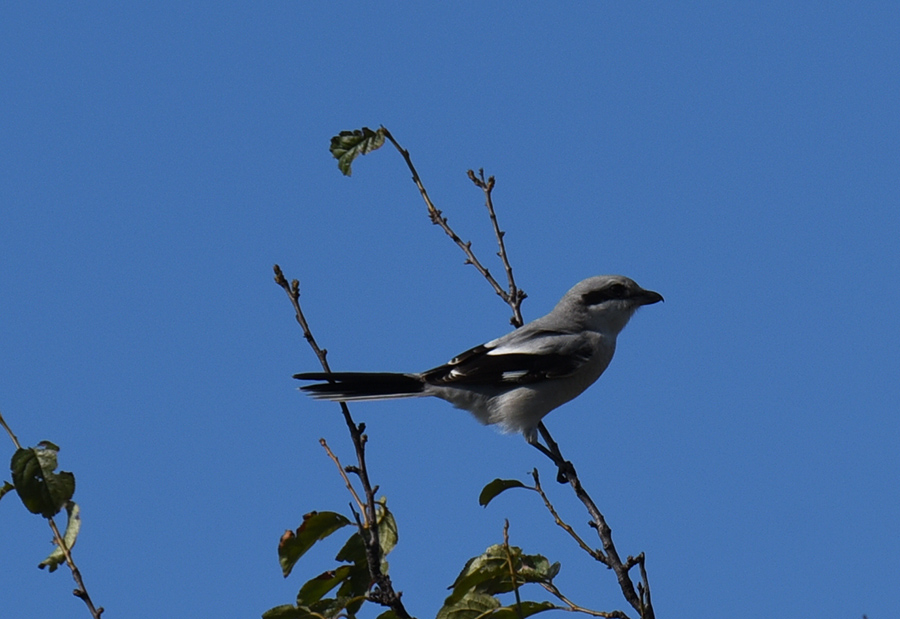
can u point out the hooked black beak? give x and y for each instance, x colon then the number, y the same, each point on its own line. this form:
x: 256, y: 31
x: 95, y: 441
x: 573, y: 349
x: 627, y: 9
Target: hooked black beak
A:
x: 648, y: 297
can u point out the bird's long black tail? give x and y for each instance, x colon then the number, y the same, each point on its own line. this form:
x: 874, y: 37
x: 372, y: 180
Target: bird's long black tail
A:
x: 354, y: 386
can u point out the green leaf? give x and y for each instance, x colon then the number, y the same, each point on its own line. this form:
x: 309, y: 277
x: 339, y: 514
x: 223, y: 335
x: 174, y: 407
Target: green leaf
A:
x: 387, y: 530
x: 337, y: 607
x: 6, y: 488
x: 484, y: 573
x: 42, y: 490
x: 489, y: 573
x: 287, y: 611
x: 526, y: 609
x: 348, y: 145
x: 357, y: 583
x: 73, y: 526
x: 470, y: 606
x: 360, y: 580
x: 316, y: 526
x: 313, y: 590
x: 496, y: 487
x: 535, y: 568
x: 330, y: 608
x: 354, y: 551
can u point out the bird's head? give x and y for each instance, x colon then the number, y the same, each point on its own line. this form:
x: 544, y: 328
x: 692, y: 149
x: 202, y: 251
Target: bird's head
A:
x: 606, y: 302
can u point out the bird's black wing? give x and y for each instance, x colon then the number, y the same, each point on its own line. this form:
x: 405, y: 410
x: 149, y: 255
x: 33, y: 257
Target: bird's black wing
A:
x: 540, y: 356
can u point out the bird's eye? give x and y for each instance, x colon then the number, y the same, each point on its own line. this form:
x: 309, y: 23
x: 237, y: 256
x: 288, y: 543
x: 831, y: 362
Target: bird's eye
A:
x: 613, y: 291
x: 617, y: 291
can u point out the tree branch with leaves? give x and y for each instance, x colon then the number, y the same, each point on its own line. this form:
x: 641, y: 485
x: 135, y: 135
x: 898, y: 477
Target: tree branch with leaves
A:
x: 502, y: 568
x: 46, y: 492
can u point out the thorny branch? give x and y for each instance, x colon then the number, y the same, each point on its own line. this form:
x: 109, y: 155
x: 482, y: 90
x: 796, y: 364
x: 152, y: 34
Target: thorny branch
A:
x: 383, y: 591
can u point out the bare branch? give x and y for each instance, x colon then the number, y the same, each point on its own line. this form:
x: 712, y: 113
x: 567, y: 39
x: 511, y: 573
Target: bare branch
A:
x: 438, y: 219
x: 609, y: 556
x: 515, y: 296
x: 644, y: 588
x: 343, y: 473
x: 10, y: 432
x: 80, y: 591
x: 512, y: 568
x: 596, y: 554
x: 571, y: 606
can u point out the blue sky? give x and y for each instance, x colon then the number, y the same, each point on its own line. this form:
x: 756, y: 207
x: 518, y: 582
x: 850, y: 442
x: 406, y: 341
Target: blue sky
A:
x: 743, y: 160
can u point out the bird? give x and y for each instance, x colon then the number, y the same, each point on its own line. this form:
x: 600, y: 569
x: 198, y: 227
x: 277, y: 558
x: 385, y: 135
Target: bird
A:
x: 514, y: 381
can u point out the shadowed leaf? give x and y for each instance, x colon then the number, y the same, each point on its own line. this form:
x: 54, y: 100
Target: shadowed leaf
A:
x: 316, y: 526
x: 470, y: 606
x: 287, y: 611
x: 496, y: 487
x: 359, y: 580
x: 337, y: 607
x: 526, y: 609
x: 42, y: 490
x: 329, y: 608
x: 313, y: 590
x: 355, y: 586
x: 353, y: 550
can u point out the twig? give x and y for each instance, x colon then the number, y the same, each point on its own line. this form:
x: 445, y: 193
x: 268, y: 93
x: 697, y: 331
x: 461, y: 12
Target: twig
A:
x: 644, y: 587
x: 515, y: 297
x: 612, y: 555
x: 10, y: 432
x: 609, y: 556
x: 81, y: 590
x: 383, y: 591
x: 512, y: 568
x: 438, y: 219
x: 596, y: 554
x: 343, y: 473
x: 571, y: 606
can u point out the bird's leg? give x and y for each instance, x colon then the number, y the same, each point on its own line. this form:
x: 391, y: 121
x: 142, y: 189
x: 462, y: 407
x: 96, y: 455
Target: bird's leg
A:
x: 566, y: 470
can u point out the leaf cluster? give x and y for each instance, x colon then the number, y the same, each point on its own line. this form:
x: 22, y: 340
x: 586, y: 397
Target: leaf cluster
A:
x: 351, y: 579
x: 348, y: 145
x: 45, y: 492
x: 500, y: 569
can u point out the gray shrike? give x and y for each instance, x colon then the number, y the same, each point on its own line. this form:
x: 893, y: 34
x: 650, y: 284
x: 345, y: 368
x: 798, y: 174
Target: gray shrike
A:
x: 516, y: 379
